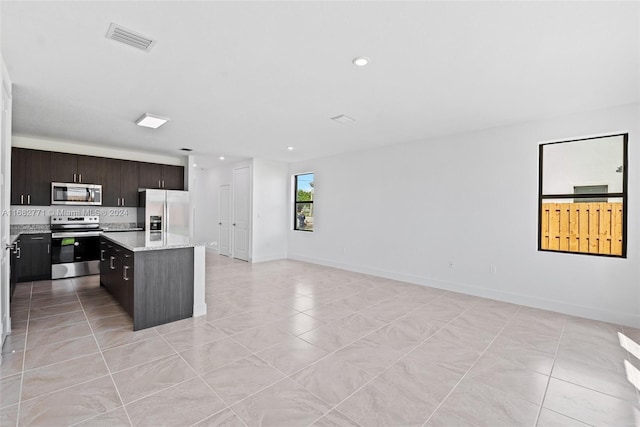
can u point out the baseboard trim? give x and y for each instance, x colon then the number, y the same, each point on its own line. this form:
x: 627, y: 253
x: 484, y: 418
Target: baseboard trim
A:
x: 199, y: 310
x: 627, y: 319
x: 265, y: 258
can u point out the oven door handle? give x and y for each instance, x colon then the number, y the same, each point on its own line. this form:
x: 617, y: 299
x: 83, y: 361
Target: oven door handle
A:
x: 76, y: 234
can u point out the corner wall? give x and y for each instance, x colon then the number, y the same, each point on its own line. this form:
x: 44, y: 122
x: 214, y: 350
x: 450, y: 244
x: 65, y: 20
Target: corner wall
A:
x: 406, y: 211
x: 270, y: 210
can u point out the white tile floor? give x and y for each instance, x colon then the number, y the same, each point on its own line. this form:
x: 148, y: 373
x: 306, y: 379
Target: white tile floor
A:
x: 293, y: 344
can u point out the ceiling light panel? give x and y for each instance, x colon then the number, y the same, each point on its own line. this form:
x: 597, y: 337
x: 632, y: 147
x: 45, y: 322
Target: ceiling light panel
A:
x: 124, y: 35
x: 151, y: 121
x: 343, y: 119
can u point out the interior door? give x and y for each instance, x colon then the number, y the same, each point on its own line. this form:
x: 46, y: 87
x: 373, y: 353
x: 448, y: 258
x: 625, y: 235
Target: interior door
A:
x: 241, y: 225
x: 5, y: 185
x: 224, y: 220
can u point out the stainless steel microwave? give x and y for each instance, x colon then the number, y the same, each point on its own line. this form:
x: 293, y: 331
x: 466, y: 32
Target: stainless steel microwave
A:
x: 75, y: 194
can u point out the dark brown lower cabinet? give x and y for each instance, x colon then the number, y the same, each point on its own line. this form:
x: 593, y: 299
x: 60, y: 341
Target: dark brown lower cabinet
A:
x: 154, y: 286
x: 34, y: 257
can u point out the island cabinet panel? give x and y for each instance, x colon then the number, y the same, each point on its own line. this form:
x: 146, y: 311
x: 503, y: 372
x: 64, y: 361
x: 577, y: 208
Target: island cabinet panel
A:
x: 163, y: 290
x: 154, y: 286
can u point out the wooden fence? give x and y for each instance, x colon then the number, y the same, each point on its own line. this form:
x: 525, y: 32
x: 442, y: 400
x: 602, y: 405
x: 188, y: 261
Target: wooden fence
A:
x: 594, y: 228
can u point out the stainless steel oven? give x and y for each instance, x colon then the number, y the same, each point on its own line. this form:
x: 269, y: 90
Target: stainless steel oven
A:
x: 75, y: 246
x: 75, y: 194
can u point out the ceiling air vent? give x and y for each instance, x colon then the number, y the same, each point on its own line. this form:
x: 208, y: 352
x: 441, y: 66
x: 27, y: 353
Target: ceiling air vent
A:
x: 124, y: 35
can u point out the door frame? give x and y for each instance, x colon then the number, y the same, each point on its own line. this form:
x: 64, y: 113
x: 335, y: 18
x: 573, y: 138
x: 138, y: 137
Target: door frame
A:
x: 5, y: 202
x: 250, y: 213
x: 229, y: 216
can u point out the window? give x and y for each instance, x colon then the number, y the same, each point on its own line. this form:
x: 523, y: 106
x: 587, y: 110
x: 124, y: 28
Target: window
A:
x: 303, y: 205
x: 582, y: 197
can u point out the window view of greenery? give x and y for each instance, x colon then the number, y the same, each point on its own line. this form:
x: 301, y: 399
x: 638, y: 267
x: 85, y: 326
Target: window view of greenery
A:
x: 583, y: 196
x: 303, y: 211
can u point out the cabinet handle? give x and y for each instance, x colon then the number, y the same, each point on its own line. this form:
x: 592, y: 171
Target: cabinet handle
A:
x: 28, y: 199
x: 124, y: 272
x: 19, y: 253
x: 22, y: 199
x: 74, y: 177
x: 163, y: 183
x: 159, y: 184
x: 118, y: 201
x: 111, y: 263
x: 48, y: 248
x: 37, y: 238
x: 123, y: 201
x: 102, y: 251
x: 80, y: 178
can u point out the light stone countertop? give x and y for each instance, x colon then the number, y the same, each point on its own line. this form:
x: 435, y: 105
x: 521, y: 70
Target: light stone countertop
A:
x: 148, y: 241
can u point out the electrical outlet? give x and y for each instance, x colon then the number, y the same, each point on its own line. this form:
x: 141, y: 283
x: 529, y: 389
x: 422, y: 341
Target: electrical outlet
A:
x: 451, y: 264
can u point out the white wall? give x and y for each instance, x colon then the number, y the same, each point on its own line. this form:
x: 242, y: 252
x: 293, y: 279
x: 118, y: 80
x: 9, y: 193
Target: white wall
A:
x: 405, y: 211
x: 206, y: 197
x: 270, y: 210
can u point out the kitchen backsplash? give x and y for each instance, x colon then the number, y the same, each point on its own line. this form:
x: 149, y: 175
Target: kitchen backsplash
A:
x: 38, y: 218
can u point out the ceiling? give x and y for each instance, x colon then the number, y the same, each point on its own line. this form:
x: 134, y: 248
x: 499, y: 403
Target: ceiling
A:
x: 249, y: 79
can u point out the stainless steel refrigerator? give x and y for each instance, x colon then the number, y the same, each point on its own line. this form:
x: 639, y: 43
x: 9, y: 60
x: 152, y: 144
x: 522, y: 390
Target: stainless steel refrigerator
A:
x: 164, y: 211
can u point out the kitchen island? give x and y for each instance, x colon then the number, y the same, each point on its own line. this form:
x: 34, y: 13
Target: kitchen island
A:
x: 157, y: 277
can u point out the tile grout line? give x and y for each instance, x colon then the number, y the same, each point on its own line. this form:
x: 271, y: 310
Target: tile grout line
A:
x: 472, y: 365
x: 206, y: 383
x: 289, y: 376
x: 105, y: 362
x: 555, y: 356
x: 24, y: 358
x: 335, y: 407
x: 286, y: 376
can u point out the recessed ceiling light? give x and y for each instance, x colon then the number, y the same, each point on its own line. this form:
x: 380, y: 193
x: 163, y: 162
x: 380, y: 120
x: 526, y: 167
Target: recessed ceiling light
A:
x: 195, y: 166
x: 343, y: 119
x: 290, y: 148
x: 151, y: 121
x: 360, y: 61
x: 221, y: 157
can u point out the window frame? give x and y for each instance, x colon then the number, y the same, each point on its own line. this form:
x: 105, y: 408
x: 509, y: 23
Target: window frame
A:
x: 623, y: 195
x: 295, y: 200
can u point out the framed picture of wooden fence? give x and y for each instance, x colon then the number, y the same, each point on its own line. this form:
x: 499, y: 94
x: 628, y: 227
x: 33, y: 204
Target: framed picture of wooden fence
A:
x: 582, y: 198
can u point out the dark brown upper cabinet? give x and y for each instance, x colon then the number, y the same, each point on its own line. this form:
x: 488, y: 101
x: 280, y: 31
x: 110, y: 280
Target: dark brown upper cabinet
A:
x: 33, y: 171
x: 30, y: 182
x: 67, y: 167
x: 120, y: 183
x: 165, y: 177
x: 172, y: 177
